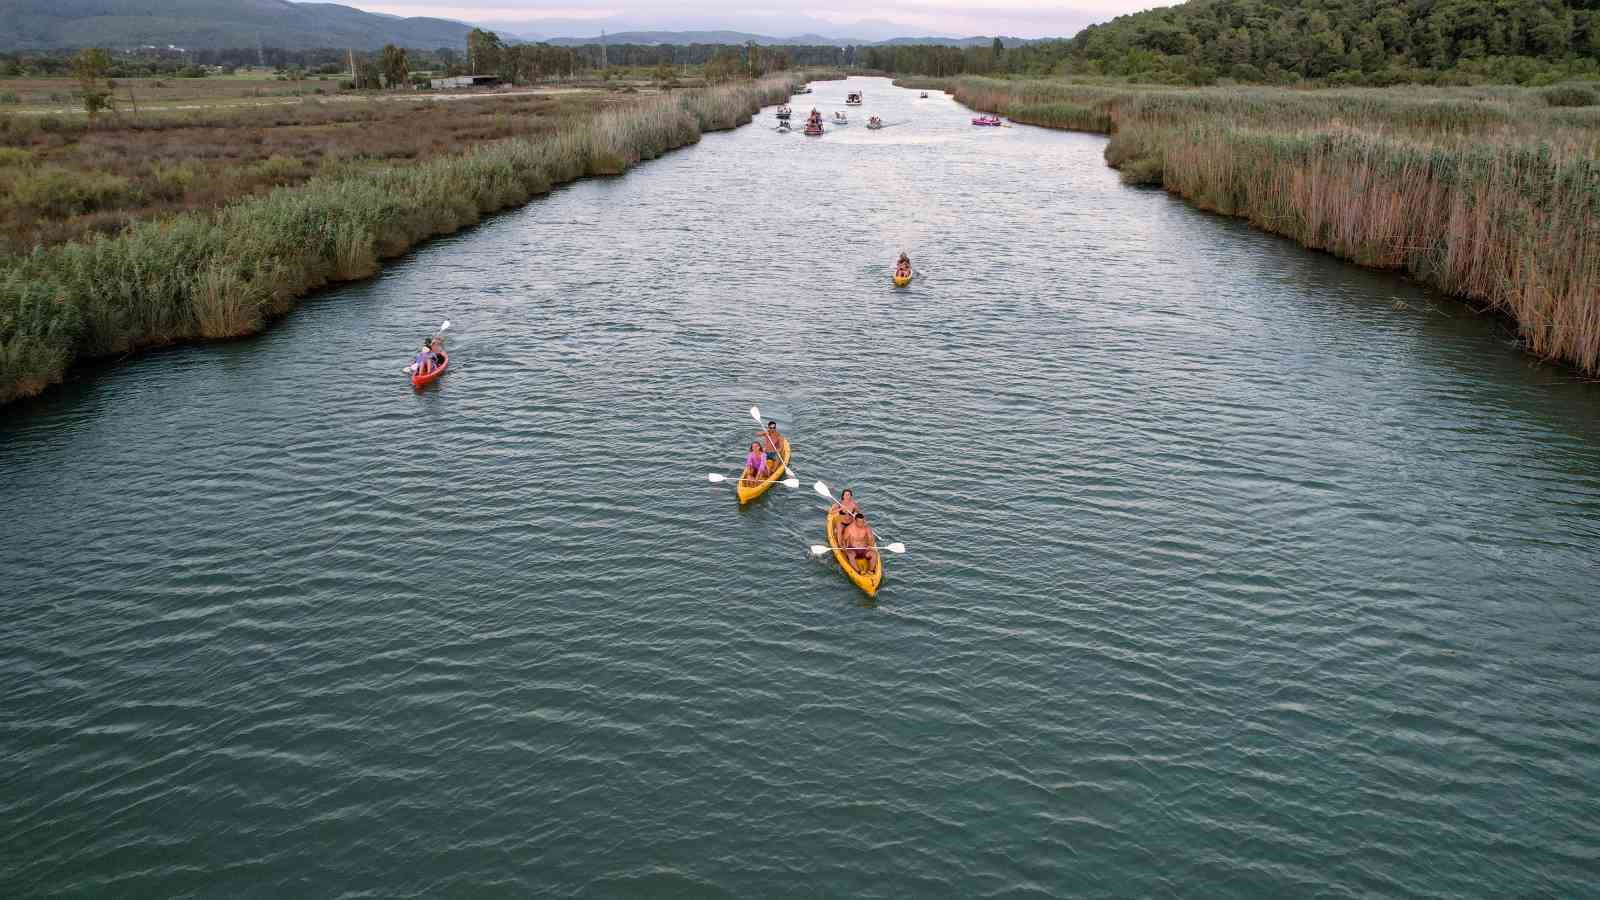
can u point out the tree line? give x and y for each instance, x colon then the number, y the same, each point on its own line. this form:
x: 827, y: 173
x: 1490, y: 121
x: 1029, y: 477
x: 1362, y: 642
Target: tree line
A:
x: 1373, y: 42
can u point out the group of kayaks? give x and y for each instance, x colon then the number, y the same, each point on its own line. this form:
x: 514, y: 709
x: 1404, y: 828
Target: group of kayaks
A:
x: 814, y: 128
x: 768, y: 464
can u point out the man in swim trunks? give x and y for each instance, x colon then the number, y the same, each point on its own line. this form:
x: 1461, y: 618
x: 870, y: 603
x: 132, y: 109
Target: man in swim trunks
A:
x: 859, y: 545
x: 772, y: 440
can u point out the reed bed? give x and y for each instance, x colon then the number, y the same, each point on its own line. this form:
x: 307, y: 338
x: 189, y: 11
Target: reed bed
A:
x: 203, y: 276
x: 1491, y: 194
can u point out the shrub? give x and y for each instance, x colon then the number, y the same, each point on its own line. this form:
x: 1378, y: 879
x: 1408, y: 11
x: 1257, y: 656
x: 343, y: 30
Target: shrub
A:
x: 60, y: 193
x: 280, y: 169
x: 1569, y: 95
x: 15, y: 156
x: 10, y: 97
x: 170, y: 181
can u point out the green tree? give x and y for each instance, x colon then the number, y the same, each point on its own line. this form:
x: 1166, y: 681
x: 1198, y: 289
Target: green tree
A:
x: 90, y: 66
x: 396, y: 68
x: 369, y: 75
x: 724, y: 66
x: 484, y: 51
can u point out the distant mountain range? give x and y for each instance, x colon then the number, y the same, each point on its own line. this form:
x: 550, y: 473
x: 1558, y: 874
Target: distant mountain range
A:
x: 213, y: 24
x: 220, y: 24
x: 741, y: 37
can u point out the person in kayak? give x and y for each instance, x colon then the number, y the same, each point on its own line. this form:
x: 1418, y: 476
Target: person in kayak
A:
x: 772, y: 439
x: 903, y: 267
x: 846, y: 508
x: 859, y: 544
x: 423, y: 362
x: 755, y: 464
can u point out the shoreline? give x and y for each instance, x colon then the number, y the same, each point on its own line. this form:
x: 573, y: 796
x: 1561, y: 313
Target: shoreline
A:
x: 230, y: 274
x: 1430, y: 186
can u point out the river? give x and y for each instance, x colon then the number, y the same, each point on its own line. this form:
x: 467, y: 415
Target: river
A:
x: 1232, y: 570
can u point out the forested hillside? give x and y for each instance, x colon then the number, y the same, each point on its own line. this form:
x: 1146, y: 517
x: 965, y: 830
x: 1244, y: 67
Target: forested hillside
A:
x: 1332, y: 41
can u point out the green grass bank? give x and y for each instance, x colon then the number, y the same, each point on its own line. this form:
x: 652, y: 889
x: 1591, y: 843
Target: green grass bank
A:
x: 1490, y: 193
x: 226, y: 274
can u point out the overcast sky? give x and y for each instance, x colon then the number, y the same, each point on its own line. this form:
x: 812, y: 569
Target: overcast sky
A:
x: 952, y: 18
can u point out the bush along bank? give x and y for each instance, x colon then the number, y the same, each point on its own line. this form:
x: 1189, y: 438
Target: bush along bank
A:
x: 194, y: 277
x: 1489, y: 194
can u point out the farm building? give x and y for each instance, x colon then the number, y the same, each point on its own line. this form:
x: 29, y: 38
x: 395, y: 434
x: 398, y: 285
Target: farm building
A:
x: 464, y: 81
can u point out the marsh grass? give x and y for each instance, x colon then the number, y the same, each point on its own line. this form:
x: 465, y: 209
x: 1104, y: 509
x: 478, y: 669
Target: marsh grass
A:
x: 1491, y: 194
x: 225, y: 274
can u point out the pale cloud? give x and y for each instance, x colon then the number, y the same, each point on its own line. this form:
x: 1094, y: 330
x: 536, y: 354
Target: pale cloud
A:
x: 945, y: 17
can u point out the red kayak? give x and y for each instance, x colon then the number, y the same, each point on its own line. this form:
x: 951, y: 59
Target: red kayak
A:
x: 987, y: 120
x: 444, y: 363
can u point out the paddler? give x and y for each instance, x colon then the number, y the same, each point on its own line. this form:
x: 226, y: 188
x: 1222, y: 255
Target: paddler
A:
x: 902, y: 268
x: 772, y: 440
x: 858, y: 543
x: 422, y: 363
x: 845, y: 508
x: 755, y: 464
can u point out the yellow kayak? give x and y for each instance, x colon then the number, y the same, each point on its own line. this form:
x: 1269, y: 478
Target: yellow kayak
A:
x: 749, y: 490
x: 902, y: 281
x: 868, y: 581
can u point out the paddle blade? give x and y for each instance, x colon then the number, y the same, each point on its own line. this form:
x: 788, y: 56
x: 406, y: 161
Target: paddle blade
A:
x: 895, y: 547
x: 714, y: 478
x: 791, y: 482
x: 818, y: 549
x: 755, y: 413
x: 822, y: 489
x: 445, y: 327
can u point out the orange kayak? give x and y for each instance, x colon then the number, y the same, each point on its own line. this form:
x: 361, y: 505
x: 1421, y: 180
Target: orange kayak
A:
x: 444, y: 363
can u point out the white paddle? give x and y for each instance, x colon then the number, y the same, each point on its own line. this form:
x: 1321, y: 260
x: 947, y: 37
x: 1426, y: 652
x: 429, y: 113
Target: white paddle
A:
x: 442, y: 329
x: 818, y: 549
x: 718, y: 478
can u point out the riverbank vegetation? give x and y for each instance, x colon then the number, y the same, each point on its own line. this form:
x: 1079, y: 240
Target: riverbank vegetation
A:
x: 1327, y: 42
x: 222, y: 272
x: 1491, y: 194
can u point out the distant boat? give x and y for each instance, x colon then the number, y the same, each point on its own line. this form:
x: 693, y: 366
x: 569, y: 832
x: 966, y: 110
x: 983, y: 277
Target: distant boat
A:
x: 924, y: 95
x: 803, y: 89
x: 874, y: 123
x: 987, y: 120
x: 852, y: 99
x: 785, y: 112
x: 839, y: 118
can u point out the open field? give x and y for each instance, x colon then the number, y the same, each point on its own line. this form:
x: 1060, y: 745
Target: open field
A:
x: 63, y: 180
x: 1489, y: 193
x: 207, y: 225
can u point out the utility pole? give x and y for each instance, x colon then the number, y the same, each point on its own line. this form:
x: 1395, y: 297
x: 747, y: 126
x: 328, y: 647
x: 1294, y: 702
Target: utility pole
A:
x: 352, y: 53
x: 602, y: 49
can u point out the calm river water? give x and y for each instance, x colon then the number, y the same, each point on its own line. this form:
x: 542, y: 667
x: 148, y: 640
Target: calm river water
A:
x: 1234, y: 570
